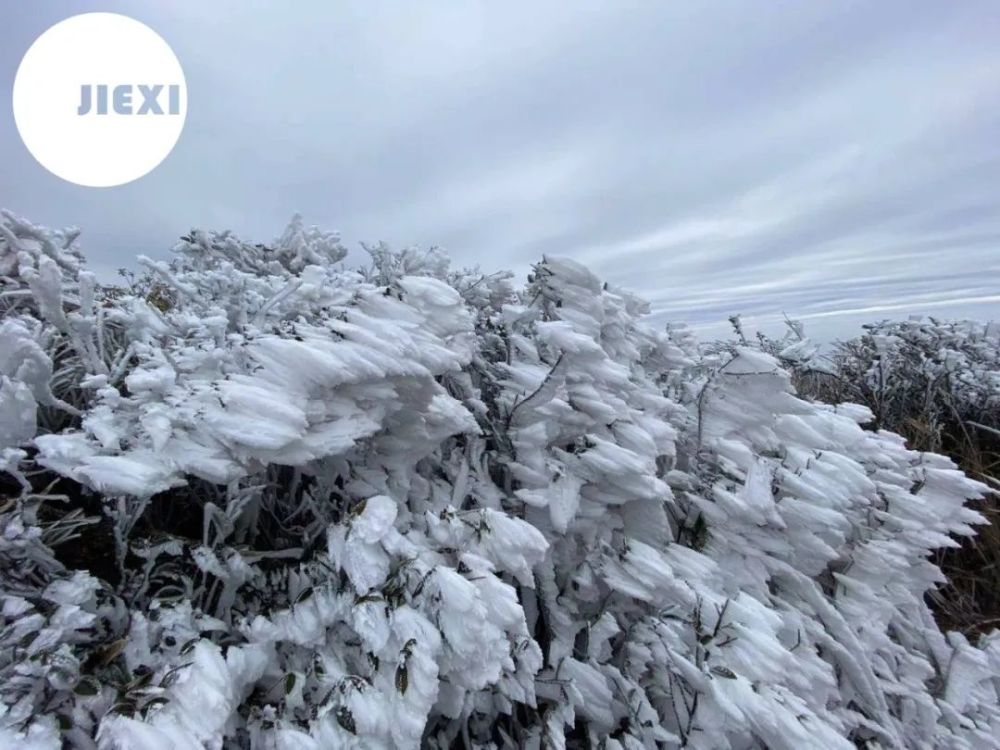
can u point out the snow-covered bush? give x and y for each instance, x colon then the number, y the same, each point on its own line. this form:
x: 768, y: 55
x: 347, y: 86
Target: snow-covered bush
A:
x: 267, y: 501
x: 937, y: 383
x: 937, y: 380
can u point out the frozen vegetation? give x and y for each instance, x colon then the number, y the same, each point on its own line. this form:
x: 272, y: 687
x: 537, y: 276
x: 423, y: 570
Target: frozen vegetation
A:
x: 256, y: 499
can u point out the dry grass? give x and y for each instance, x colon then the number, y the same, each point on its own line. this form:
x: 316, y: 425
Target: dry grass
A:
x: 970, y: 602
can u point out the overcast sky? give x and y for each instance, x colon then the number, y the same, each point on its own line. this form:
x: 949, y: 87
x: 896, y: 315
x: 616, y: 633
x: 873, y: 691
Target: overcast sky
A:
x: 835, y: 161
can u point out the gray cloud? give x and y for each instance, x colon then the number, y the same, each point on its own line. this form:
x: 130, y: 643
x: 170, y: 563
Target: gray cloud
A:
x: 837, y: 162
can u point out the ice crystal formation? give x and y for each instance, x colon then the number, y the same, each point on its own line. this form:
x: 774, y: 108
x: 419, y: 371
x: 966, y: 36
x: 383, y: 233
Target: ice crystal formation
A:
x: 259, y: 499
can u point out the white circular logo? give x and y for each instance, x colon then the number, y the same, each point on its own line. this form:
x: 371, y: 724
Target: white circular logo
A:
x: 100, y: 99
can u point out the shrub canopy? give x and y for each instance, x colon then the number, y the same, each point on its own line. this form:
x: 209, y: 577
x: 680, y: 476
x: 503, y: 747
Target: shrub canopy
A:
x: 257, y: 499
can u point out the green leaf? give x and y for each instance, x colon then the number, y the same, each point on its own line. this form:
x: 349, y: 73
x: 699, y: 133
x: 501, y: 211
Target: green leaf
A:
x: 108, y: 653
x: 141, y: 681
x: 157, y: 701
x: 87, y: 686
x: 171, y: 676
x: 402, y: 678
x: 346, y: 719
x: 724, y: 672
x: 125, y: 708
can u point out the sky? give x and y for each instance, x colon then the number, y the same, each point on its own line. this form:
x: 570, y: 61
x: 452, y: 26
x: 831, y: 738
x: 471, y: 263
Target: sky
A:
x: 835, y: 162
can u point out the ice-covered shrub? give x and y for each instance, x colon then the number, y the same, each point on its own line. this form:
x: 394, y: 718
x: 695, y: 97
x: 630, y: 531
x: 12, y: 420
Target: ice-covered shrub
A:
x: 937, y: 383
x: 409, y: 505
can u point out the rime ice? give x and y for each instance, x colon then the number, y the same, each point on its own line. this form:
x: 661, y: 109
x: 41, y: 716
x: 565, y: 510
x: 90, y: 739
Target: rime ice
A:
x: 420, y: 504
